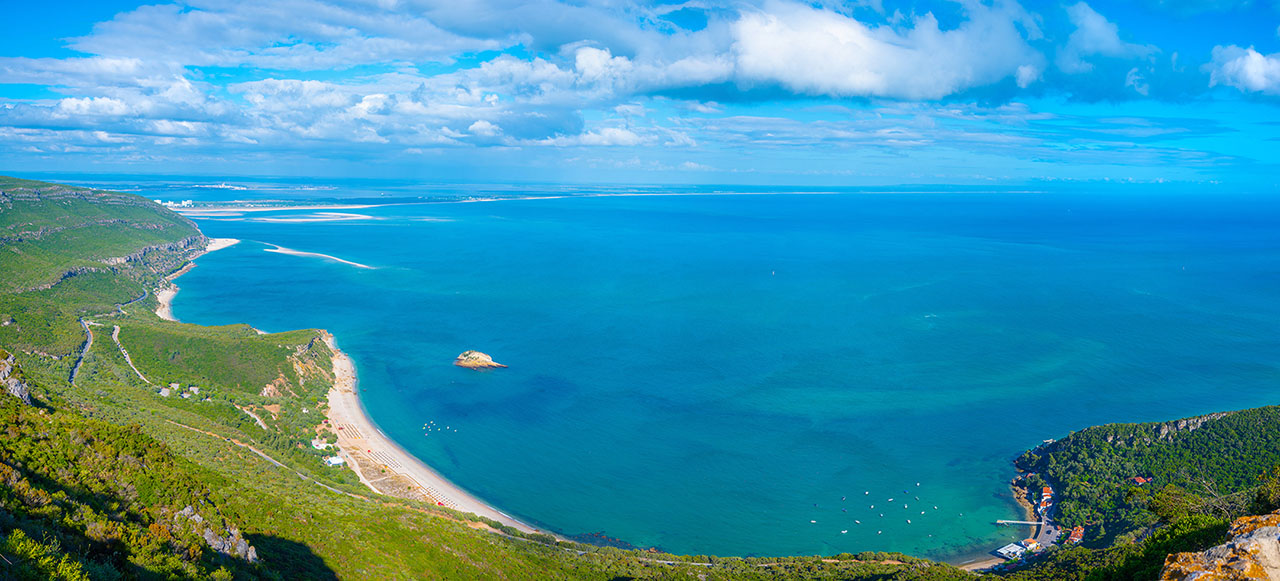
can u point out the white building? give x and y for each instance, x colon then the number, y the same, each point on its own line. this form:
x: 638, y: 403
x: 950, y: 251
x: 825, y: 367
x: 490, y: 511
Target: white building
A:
x: 335, y: 461
x: 1011, y: 551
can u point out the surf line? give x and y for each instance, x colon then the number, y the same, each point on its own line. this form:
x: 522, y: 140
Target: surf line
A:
x: 282, y: 250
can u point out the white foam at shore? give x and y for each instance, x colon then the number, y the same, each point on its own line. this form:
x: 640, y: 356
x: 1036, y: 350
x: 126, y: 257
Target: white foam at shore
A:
x: 290, y: 251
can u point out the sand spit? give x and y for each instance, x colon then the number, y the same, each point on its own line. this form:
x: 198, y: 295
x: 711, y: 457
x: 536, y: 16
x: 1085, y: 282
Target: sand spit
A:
x: 292, y: 252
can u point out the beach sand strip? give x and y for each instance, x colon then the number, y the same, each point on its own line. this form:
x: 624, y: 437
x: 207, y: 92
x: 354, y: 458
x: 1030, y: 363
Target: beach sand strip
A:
x: 382, y: 464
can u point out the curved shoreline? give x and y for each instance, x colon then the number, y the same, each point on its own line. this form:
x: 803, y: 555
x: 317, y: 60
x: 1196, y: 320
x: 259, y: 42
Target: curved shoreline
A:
x: 370, y: 452
x: 165, y: 294
x: 361, y: 443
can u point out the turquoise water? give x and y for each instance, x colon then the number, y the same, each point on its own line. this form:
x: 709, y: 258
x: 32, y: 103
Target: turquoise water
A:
x: 709, y: 374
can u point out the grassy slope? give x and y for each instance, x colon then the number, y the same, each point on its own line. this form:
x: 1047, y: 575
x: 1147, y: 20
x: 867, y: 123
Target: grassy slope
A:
x: 299, y: 528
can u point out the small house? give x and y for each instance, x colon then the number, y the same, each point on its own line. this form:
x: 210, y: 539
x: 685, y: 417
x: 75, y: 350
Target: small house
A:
x: 335, y: 461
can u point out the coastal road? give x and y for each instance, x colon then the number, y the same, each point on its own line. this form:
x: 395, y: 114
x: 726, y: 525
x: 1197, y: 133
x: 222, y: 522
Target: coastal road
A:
x: 88, y: 342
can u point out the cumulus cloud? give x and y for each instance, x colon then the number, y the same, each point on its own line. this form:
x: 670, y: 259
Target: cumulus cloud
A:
x: 821, y: 52
x: 282, y: 34
x: 608, y: 136
x: 1094, y: 36
x: 1245, y: 69
x: 484, y: 129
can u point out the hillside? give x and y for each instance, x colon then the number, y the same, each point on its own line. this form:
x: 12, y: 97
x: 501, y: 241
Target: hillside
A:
x: 153, y: 449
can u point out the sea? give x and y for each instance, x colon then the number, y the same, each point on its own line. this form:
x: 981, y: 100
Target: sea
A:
x: 764, y: 371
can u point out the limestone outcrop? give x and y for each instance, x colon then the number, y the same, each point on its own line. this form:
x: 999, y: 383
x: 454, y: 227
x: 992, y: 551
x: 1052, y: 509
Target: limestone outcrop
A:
x: 476, y: 360
x: 1252, y: 551
x: 11, y: 378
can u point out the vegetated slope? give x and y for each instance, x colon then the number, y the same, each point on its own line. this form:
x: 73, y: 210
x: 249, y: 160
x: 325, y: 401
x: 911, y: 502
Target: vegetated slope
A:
x: 1211, y: 462
x: 83, y: 498
x: 96, y: 476
x: 1204, y: 472
x: 50, y: 231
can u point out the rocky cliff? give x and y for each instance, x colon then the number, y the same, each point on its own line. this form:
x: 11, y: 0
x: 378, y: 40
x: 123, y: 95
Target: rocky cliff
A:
x: 1252, y: 551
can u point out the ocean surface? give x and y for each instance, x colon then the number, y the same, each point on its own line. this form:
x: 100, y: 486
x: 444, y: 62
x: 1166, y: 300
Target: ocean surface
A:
x: 750, y: 374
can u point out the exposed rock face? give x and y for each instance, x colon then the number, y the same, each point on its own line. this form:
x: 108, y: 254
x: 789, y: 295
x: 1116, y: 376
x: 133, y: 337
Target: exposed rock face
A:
x: 1252, y: 551
x: 11, y: 378
x: 232, y: 544
x: 476, y: 360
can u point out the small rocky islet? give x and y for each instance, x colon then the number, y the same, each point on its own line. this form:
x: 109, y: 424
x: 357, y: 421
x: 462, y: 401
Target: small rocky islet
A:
x: 476, y: 360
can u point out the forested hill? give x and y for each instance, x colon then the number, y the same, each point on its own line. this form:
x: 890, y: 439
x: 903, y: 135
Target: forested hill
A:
x: 50, y: 231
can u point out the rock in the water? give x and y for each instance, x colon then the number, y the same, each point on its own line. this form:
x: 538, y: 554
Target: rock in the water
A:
x: 476, y: 360
x: 1252, y: 551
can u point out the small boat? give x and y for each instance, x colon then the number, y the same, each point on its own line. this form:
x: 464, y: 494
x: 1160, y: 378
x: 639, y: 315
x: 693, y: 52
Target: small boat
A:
x: 844, y: 532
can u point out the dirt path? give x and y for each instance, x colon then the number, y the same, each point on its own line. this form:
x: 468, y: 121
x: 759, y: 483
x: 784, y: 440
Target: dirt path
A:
x: 264, y: 456
x: 115, y: 336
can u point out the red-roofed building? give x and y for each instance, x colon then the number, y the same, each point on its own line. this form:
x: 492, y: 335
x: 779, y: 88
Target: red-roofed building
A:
x: 1139, y: 480
x: 1075, y: 536
x: 1047, y: 491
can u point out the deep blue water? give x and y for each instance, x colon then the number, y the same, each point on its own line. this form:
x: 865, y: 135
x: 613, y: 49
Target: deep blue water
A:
x: 698, y: 372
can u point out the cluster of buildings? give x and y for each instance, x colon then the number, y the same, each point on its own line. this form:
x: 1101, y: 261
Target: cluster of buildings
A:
x: 182, y: 204
x: 175, y: 388
x: 1046, y: 503
x: 1017, y: 550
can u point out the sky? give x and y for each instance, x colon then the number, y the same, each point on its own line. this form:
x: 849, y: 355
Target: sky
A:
x: 1002, y: 93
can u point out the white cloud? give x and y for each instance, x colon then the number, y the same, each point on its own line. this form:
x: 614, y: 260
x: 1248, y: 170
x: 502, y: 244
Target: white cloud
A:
x: 821, y: 52
x: 92, y: 106
x: 282, y: 34
x: 1094, y: 36
x: 1026, y: 75
x: 608, y: 136
x: 1245, y: 69
x: 484, y: 129
x: 1139, y: 84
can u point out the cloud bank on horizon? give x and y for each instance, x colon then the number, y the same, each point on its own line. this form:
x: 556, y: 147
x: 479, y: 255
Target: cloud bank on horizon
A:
x: 770, y: 91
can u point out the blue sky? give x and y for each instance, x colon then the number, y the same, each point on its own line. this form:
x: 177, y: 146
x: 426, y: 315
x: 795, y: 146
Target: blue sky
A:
x: 863, y: 93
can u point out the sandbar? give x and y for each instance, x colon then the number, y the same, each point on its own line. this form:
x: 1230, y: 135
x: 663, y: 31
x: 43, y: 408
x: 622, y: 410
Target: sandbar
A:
x: 370, y: 452
x: 292, y: 252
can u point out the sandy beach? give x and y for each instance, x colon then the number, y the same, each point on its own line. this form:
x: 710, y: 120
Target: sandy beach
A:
x: 370, y: 452
x: 165, y: 294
